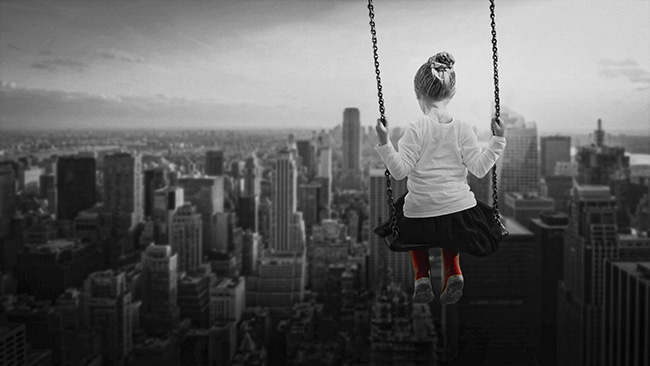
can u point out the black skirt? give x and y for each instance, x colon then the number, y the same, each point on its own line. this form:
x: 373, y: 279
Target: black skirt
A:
x: 472, y: 231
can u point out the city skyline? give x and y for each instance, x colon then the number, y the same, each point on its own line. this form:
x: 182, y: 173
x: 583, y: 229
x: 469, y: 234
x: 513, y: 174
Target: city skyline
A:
x: 262, y: 259
x: 221, y: 64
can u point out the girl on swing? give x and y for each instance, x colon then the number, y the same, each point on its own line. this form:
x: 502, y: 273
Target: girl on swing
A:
x: 435, y: 153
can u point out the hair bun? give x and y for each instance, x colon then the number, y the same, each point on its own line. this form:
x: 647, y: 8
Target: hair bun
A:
x: 442, y: 58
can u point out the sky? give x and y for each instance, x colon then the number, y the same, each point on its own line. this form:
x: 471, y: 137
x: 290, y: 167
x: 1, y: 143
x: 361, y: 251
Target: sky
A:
x: 216, y: 64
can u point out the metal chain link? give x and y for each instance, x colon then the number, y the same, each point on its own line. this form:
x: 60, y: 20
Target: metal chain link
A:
x: 497, y: 109
x: 380, y: 96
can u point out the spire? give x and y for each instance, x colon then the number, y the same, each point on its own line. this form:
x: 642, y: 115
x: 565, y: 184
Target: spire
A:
x: 600, y: 134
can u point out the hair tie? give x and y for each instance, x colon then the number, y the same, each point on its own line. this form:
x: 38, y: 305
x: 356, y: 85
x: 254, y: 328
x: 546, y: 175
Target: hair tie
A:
x: 437, y: 67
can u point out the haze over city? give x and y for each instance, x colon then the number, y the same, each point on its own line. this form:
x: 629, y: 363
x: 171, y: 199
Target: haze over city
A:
x: 283, y: 64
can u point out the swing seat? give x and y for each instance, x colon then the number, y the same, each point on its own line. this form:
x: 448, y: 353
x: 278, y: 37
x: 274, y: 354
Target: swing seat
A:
x: 474, y: 231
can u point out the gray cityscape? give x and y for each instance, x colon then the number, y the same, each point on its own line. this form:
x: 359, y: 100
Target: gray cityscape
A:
x: 196, y: 184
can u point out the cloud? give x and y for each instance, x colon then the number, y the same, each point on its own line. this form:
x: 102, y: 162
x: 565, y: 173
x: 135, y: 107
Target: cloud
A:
x: 12, y: 46
x: 60, y: 63
x: 45, y: 109
x: 628, y: 69
x: 120, y: 55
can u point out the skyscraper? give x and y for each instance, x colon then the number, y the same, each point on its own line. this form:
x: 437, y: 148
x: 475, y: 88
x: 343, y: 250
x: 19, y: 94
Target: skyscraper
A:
x: 107, y: 310
x: 351, y: 174
x: 228, y: 299
x: 626, y: 313
x: 280, y: 282
x: 380, y: 257
x: 186, y: 237
x: 553, y: 149
x: 214, y: 162
x: 324, y: 177
x: 558, y: 188
x: 307, y: 155
x: 523, y: 207
x: 250, y: 252
x: 123, y: 190
x: 519, y: 163
x: 208, y: 196
x: 7, y: 198
x: 159, y: 312
x: 498, y: 318
x: 252, y: 176
x: 284, y: 202
x: 309, y: 204
x: 13, y: 344
x: 590, y: 238
x: 75, y: 182
x: 548, y: 231
x: 599, y: 163
x: 46, y: 271
x: 154, y: 179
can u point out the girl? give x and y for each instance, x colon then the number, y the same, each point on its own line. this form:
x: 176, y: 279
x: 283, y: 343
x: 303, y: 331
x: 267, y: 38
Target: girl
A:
x: 435, y: 153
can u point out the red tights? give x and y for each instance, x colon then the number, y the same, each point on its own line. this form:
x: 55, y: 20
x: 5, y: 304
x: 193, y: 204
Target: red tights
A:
x: 420, y: 260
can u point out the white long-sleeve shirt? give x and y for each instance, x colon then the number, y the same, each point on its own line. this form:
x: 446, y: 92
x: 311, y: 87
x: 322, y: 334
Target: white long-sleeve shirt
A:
x: 436, y: 157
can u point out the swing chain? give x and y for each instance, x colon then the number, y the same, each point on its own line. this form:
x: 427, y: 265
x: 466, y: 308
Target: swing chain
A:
x: 497, y: 109
x: 389, y: 191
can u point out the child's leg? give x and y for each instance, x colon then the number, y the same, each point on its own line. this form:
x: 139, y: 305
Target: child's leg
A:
x: 420, y: 260
x: 422, y: 292
x: 453, y: 281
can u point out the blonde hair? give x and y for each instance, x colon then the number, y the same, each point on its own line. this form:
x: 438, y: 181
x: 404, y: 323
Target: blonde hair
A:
x: 436, y: 79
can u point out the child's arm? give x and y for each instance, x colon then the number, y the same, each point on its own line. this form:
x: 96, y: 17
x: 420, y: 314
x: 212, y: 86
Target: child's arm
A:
x: 401, y: 163
x: 477, y: 160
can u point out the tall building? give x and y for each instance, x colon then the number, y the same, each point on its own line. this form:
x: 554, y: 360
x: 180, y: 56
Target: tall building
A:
x: 309, y: 204
x: 280, y: 283
x: 553, y: 149
x: 194, y: 299
x: 250, y: 252
x: 75, y: 184
x: 207, y: 195
x: 252, y: 176
x: 13, y: 344
x: 48, y: 190
x: 599, y: 163
x: 497, y: 321
x: 159, y: 313
x: 324, y: 161
x: 626, y: 314
x: 123, y: 190
x: 247, y: 216
x: 558, y: 188
x: 330, y: 245
x: 47, y: 270
x: 519, y: 163
x: 186, y: 237
x: 284, y: 203
x: 107, y: 310
x: 154, y: 179
x: 166, y: 201
x: 214, y: 162
x: 590, y: 238
x: 228, y: 299
x: 525, y: 206
x: 7, y: 198
x: 548, y: 231
x: 351, y: 146
x: 307, y: 155
x: 380, y: 257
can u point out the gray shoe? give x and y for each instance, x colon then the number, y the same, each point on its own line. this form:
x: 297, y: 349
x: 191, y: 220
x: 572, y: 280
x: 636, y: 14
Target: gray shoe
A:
x: 453, y: 290
x: 423, y: 292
